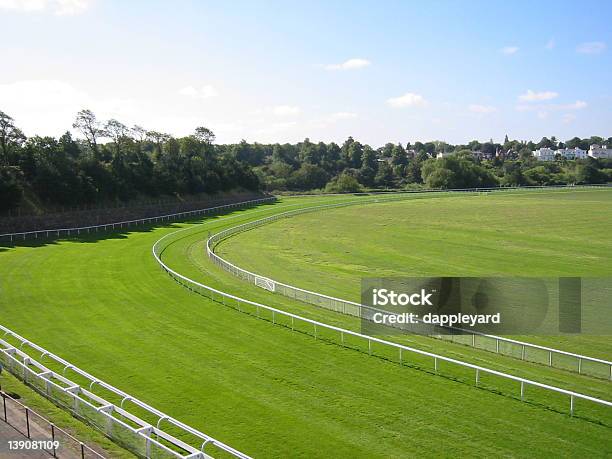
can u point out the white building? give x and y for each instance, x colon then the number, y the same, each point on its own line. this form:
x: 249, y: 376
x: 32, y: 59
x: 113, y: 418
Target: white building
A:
x: 597, y: 152
x: 545, y: 154
x: 548, y: 154
x: 572, y: 153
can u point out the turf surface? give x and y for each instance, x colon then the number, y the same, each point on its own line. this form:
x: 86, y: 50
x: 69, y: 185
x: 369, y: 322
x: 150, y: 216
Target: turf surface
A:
x: 557, y: 233
x: 104, y: 304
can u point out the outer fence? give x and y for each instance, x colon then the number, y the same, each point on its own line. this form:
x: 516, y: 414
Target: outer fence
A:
x: 581, y: 364
x: 404, y: 355
x: 444, y: 190
x: 141, y: 437
x: 55, y: 233
x: 55, y: 441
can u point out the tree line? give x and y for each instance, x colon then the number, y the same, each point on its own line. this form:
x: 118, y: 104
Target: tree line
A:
x: 133, y: 162
x: 112, y: 162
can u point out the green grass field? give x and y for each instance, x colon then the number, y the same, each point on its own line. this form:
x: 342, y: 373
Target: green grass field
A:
x: 104, y: 304
x: 528, y: 234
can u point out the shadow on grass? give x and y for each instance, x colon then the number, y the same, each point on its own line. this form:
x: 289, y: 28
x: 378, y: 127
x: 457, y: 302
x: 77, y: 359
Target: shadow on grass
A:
x: 121, y: 233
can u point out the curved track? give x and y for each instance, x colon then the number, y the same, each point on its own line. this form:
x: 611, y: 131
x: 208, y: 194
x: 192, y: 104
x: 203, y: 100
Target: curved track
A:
x: 314, y: 327
x: 267, y: 390
x: 515, y: 348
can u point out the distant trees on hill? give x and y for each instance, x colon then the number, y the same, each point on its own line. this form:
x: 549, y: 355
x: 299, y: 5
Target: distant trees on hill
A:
x: 353, y: 166
x: 113, y: 162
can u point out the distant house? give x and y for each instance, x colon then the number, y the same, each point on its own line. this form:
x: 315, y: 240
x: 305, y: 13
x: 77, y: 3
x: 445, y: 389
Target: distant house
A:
x: 548, y: 154
x: 572, y: 153
x: 597, y: 152
x: 544, y: 154
x: 510, y: 154
x: 444, y: 154
x: 482, y: 155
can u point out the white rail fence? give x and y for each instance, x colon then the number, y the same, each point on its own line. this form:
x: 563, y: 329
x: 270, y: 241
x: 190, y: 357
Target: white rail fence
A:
x: 581, y: 364
x: 76, y: 231
x: 145, y: 438
x: 123, y: 427
x: 453, y: 190
x: 521, y: 388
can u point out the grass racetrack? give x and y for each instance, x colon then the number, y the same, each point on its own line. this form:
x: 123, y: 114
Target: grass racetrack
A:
x: 548, y: 234
x: 103, y: 303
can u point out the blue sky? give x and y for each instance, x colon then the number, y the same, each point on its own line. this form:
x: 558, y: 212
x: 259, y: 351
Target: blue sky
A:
x: 282, y: 71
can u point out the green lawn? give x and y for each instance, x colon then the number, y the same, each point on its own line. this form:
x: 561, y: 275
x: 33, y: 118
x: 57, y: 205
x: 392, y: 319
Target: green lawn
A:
x: 523, y: 234
x: 103, y: 304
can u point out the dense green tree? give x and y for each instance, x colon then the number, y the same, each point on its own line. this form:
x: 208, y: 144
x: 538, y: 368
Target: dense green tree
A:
x: 384, y: 176
x: 308, y: 177
x: 456, y: 172
x: 589, y: 173
x: 344, y: 183
x: 398, y: 156
x: 11, y: 189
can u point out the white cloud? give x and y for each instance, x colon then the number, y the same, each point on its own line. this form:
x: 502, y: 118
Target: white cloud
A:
x: 57, y: 7
x: 285, y: 110
x: 481, y: 108
x: 592, y: 47
x: 351, y: 64
x: 531, y: 96
x: 407, y: 100
x: 550, y: 44
x: 204, y: 92
x: 509, y: 50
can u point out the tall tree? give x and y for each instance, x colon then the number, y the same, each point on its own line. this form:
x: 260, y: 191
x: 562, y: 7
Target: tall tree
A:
x: 117, y: 132
x: 87, y: 123
x: 10, y: 137
x: 205, y: 135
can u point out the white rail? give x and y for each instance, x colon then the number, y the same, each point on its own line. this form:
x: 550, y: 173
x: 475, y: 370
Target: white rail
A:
x: 88, y: 405
x: 355, y: 309
x: 240, y: 303
x: 91, y: 407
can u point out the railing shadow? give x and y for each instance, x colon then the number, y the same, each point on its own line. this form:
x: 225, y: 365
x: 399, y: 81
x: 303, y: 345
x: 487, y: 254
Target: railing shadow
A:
x: 94, y: 235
